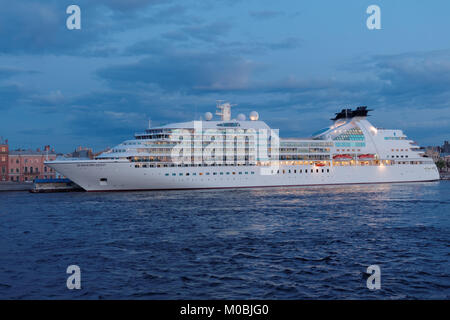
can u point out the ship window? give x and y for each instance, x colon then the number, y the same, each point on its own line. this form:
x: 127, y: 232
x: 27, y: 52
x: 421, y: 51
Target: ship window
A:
x: 306, y: 170
x: 317, y: 170
x: 295, y: 171
x: 284, y: 171
x: 289, y: 171
x: 323, y: 170
x: 207, y: 173
x: 194, y: 174
x: 240, y: 172
x: 215, y: 173
x: 180, y: 174
x: 234, y: 172
x: 174, y: 174
x: 228, y: 173
x: 166, y: 174
x: 221, y: 173
x: 300, y: 171
x: 187, y: 173
x: 246, y: 172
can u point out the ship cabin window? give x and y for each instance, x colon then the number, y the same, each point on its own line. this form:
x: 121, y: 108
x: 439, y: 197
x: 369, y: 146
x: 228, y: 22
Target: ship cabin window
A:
x: 207, y: 173
x: 187, y: 173
x: 215, y: 173
x: 240, y: 172
x: 328, y: 170
x: 221, y: 173
x: 317, y: 170
x: 103, y: 179
x: 284, y: 171
x: 323, y: 171
x: 174, y: 174
x: 295, y: 171
x: 289, y: 171
x: 180, y: 174
x: 234, y: 172
x: 306, y: 170
x: 228, y: 173
x: 166, y: 174
x: 246, y: 173
x: 194, y: 174
x: 300, y: 171
x: 253, y: 172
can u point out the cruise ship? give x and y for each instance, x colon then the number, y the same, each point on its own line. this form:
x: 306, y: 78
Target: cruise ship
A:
x: 247, y: 153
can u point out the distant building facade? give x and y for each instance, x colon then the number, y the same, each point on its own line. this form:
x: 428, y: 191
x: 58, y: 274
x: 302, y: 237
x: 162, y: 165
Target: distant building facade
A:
x: 81, y: 152
x: 446, y: 148
x: 433, y: 152
x: 27, y: 165
x: 4, y: 150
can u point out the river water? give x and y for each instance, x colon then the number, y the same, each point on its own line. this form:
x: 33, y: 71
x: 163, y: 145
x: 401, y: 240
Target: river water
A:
x: 270, y: 243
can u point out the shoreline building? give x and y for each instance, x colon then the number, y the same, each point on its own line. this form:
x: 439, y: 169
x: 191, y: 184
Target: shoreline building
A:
x: 27, y: 165
x: 4, y: 151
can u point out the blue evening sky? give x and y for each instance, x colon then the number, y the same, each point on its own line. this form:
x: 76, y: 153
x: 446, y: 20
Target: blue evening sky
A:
x: 295, y: 62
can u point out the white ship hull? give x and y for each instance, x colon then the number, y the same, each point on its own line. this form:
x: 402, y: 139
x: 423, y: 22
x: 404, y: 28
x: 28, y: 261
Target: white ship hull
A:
x: 110, y: 175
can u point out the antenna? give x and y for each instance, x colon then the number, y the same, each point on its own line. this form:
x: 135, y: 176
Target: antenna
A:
x: 149, y: 123
x: 223, y: 110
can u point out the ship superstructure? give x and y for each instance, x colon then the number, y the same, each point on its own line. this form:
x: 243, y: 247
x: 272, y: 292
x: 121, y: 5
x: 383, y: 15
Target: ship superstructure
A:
x: 232, y: 153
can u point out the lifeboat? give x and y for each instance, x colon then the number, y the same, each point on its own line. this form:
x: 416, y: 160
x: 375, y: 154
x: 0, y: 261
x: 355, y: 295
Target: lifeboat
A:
x: 342, y: 156
x: 320, y: 165
x: 366, y: 156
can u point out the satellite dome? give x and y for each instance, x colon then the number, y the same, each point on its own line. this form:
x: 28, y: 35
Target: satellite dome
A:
x: 208, y: 116
x: 254, y: 115
x: 241, y: 117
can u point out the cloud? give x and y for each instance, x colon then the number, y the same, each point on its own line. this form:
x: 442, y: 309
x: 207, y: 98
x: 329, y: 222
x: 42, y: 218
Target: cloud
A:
x: 11, y: 95
x: 39, y: 27
x: 265, y: 14
x: 8, y: 72
x: 185, y: 71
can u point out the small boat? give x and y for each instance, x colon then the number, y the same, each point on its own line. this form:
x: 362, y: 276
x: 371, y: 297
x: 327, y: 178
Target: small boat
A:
x: 343, y: 156
x: 366, y: 156
x: 320, y: 165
